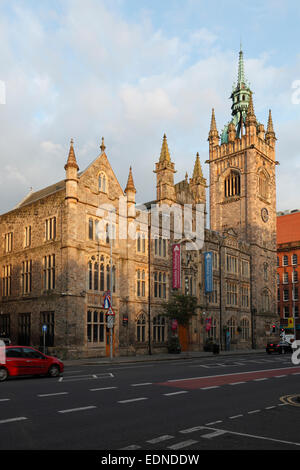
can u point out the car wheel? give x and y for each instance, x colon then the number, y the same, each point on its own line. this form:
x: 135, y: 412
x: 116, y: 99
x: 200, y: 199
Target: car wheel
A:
x: 54, y: 371
x: 3, y: 374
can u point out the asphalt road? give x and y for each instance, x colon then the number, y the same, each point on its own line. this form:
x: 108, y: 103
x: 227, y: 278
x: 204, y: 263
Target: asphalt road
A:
x: 209, y: 403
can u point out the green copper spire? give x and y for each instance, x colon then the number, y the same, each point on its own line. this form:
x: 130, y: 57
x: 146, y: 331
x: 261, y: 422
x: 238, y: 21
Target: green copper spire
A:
x: 241, y: 72
x: 240, y: 97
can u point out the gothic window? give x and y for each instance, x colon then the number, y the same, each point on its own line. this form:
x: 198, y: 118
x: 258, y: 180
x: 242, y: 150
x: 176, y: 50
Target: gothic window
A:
x: 141, y: 328
x: 102, y: 182
x: 232, y: 184
x: 263, y: 185
x: 99, y: 275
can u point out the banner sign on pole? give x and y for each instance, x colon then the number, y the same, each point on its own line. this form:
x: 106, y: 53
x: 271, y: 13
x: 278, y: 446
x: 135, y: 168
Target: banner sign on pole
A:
x: 208, y: 271
x: 176, y: 266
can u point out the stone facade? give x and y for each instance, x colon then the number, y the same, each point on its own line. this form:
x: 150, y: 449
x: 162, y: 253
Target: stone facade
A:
x: 61, y: 252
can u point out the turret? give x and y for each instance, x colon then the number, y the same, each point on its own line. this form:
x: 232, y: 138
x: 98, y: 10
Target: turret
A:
x: 71, y: 168
x: 251, y: 121
x: 270, y: 134
x: 213, y: 136
x: 165, y: 170
x: 198, y: 183
x: 130, y: 192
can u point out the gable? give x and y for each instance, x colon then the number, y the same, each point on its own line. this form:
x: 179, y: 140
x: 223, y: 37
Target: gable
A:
x: 89, y: 178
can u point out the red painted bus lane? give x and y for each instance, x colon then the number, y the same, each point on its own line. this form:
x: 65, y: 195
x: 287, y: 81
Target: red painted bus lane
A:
x: 225, y: 379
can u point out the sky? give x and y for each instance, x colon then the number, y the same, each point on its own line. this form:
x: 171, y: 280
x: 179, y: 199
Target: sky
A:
x: 132, y: 70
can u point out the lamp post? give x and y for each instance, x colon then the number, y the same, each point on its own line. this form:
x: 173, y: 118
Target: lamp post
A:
x: 222, y: 241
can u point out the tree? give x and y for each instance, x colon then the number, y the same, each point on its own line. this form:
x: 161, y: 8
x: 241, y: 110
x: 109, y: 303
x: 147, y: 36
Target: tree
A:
x: 181, y: 307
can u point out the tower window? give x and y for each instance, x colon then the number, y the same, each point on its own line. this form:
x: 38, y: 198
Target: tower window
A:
x: 232, y: 184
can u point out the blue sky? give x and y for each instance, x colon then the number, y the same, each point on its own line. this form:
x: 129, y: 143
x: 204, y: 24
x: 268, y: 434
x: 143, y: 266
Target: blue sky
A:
x: 133, y: 70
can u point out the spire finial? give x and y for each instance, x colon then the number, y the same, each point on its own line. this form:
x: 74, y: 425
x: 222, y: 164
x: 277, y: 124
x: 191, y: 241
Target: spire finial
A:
x: 270, y: 123
x: 197, y: 168
x: 165, y: 154
x: 71, y: 162
x: 130, y: 184
x: 250, y: 118
x: 102, y: 146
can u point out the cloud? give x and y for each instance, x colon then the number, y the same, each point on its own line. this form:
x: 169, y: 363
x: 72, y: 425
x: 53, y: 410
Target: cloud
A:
x: 86, y: 71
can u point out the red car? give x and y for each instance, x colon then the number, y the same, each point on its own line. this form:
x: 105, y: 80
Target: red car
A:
x: 24, y: 360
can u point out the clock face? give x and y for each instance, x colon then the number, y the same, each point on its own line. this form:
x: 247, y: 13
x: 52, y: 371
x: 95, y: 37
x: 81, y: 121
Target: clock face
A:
x: 265, y: 214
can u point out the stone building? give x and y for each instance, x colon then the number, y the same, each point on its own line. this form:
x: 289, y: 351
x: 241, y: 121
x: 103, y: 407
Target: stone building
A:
x: 65, y: 246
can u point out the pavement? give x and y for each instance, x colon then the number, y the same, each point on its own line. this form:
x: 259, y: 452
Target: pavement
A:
x: 159, y: 357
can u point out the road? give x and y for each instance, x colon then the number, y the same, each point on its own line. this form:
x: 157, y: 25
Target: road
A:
x: 209, y: 403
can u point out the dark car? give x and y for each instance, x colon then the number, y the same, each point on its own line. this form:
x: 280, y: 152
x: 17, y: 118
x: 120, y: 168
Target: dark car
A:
x: 282, y: 347
x: 24, y: 360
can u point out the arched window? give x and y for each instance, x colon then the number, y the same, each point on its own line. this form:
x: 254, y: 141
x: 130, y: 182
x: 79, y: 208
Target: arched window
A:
x: 99, y: 276
x: 102, y: 182
x: 141, y: 328
x: 232, y: 184
x: 263, y: 185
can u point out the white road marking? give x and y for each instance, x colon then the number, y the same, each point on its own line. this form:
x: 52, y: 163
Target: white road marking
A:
x: 103, y: 388
x: 132, y: 447
x: 83, y: 408
x: 5, y: 399
x: 10, y: 420
x: 254, y: 411
x: 160, y: 439
x: 234, y: 417
x: 189, y: 430
x: 52, y: 394
x: 237, y: 383
x: 181, y: 445
x: 175, y: 393
x: 296, y: 373
x: 132, y: 400
x: 260, y: 380
x: 213, y: 434
x: 214, y: 422
x: 279, y: 376
x: 270, y: 407
x: 141, y: 385
x: 226, y: 375
x: 257, y: 437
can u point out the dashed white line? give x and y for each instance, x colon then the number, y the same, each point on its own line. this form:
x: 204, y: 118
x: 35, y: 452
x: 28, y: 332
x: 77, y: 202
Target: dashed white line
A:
x: 82, y: 408
x: 52, y: 394
x: 254, y: 411
x: 133, y: 400
x: 270, y: 407
x: 175, y: 393
x: 279, y: 376
x: 10, y: 420
x: 4, y: 399
x: 132, y: 447
x: 103, y: 388
x: 261, y: 379
x: 234, y: 417
x: 142, y: 384
x: 214, y: 422
x: 237, y: 383
x: 160, y: 439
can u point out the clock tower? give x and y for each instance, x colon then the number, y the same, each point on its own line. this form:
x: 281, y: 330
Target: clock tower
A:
x: 243, y: 195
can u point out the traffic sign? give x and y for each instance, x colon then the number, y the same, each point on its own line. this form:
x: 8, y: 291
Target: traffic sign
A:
x: 110, y: 321
x: 107, y: 300
x: 290, y: 322
x: 44, y: 328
